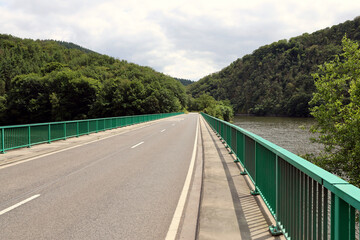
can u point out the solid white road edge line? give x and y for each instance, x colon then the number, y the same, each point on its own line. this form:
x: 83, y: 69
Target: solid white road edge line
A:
x: 174, y: 226
x: 18, y: 204
x: 137, y: 144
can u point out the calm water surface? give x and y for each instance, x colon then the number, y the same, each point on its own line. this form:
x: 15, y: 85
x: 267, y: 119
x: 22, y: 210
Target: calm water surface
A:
x: 289, y: 133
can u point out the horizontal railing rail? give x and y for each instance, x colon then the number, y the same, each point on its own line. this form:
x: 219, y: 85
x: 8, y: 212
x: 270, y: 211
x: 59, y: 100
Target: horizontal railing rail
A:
x: 306, y: 201
x: 12, y: 137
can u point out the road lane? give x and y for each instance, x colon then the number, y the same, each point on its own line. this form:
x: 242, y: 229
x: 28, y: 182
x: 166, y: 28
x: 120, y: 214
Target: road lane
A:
x: 103, y: 190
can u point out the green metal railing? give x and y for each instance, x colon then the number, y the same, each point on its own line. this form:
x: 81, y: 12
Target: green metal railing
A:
x: 12, y: 137
x: 306, y: 201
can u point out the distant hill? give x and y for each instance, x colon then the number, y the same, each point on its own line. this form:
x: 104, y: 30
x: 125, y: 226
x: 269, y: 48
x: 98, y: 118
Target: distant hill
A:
x: 276, y: 79
x: 46, y: 80
x: 184, y: 82
x: 70, y: 45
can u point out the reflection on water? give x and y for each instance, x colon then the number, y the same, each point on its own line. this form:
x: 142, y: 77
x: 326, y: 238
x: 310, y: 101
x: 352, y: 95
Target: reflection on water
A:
x: 289, y: 133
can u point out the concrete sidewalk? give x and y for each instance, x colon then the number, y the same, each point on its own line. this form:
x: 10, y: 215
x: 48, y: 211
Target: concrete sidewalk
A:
x: 227, y: 209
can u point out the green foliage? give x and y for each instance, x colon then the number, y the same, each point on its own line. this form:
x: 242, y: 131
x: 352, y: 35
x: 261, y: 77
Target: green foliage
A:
x: 44, y: 81
x: 207, y: 104
x: 337, y: 111
x: 184, y: 82
x: 276, y: 79
x: 2, y: 106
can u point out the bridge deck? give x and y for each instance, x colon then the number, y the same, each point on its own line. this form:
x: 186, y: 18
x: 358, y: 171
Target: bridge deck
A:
x: 227, y: 209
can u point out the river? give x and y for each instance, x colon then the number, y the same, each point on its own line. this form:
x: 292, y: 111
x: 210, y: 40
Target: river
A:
x: 289, y: 133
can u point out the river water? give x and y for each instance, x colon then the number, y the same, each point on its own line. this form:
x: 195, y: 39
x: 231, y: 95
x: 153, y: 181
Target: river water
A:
x: 289, y: 133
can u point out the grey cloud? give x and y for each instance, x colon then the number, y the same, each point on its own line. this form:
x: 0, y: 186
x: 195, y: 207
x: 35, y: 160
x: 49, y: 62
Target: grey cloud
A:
x: 133, y: 48
x: 209, y: 35
x: 48, y: 7
x: 175, y: 36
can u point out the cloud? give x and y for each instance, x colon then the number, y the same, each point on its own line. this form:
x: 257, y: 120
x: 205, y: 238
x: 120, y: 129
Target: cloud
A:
x: 187, y: 39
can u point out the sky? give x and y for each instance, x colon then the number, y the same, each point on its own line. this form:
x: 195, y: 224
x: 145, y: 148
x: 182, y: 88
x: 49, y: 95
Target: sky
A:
x: 182, y: 38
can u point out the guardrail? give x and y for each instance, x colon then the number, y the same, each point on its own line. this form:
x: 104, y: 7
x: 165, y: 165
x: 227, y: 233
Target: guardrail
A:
x: 19, y: 136
x: 306, y: 201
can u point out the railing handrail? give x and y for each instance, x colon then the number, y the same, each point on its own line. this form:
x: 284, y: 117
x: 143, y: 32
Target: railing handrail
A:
x: 329, y: 180
x: 80, y: 120
x: 337, y: 186
x: 18, y: 136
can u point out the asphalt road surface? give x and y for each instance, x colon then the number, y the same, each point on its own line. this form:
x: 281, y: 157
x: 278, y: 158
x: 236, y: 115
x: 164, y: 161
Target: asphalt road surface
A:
x: 123, y: 187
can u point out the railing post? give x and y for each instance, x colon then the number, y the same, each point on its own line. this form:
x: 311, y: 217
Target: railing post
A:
x: 29, y: 136
x: 49, y: 133
x: 97, y: 126
x: 276, y: 230
x: 64, y: 130
x: 255, y: 191
x: 77, y: 129
x: 88, y: 127
x: 341, y: 223
x: 3, y: 140
x: 236, y: 144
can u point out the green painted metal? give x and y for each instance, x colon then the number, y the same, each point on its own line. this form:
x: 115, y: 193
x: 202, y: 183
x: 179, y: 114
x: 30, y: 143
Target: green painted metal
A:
x: 49, y: 133
x: 319, y: 212
x: 274, y: 230
x: 2, y: 140
x: 295, y: 190
x: 29, y: 136
x: 240, y: 147
x: 301, y: 209
x: 65, y: 131
x: 314, y: 209
x: 19, y: 136
x: 306, y: 206
x: 326, y: 216
x: 38, y: 134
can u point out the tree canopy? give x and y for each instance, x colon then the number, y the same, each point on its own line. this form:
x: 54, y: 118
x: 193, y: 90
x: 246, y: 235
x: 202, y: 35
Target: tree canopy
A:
x: 184, y: 82
x: 337, y: 111
x: 43, y: 81
x: 207, y: 104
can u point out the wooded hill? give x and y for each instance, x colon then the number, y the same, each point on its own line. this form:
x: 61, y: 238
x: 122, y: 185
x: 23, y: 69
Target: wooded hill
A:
x: 184, y: 82
x: 276, y: 79
x: 43, y: 81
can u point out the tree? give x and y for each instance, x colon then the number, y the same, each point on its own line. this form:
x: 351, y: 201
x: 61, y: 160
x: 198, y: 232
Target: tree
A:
x: 28, y: 100
x: 73, y: 95
x: 207, y: 104
x: 336, y: 107
x: 43, y: 81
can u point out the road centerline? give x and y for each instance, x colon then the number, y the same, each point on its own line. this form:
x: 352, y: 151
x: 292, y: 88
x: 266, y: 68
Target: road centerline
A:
x: 136, y: 145
x: 19, y: 204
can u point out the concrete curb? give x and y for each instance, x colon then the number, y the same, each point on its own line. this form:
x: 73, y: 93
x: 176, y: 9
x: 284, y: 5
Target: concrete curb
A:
x: 189, y: 221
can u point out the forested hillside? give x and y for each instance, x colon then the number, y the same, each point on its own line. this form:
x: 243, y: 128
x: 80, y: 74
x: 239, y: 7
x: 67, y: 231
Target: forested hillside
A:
x: 184, y: 82
x: 276, y: 79
x: 43, y: 81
